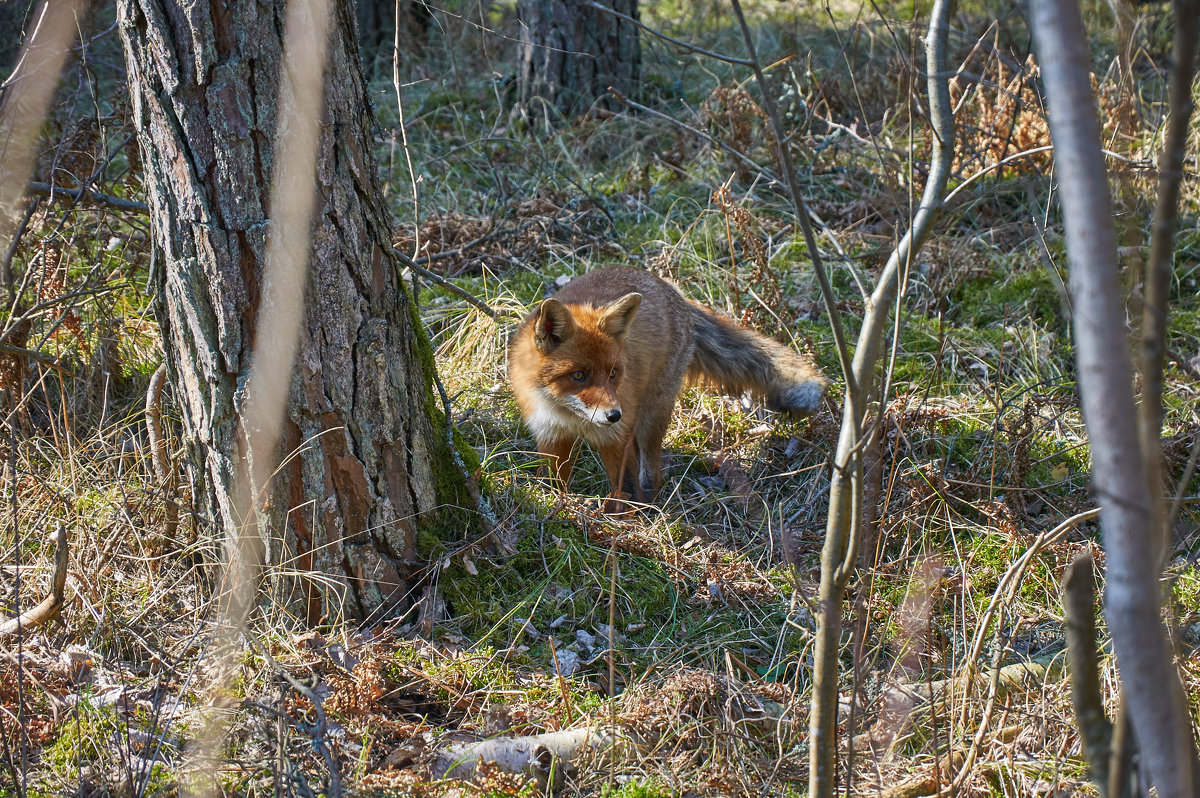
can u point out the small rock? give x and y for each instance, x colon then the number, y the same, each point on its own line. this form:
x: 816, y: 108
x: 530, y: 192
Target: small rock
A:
x: 528, y: 628
x: 568, y: 662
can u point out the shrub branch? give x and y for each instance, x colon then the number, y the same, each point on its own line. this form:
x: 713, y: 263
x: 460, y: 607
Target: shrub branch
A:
x: 1131, y: 509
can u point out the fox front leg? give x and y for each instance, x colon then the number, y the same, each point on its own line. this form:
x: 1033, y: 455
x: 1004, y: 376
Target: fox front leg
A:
x: 620, y: 461
x: 560, y: 459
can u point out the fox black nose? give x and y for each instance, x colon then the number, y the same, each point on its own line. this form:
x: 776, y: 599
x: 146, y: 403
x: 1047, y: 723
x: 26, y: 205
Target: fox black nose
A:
x: 613, y: 416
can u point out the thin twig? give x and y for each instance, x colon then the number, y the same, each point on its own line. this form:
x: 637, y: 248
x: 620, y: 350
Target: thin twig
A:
x: 6, y: 277
x: 434, y: 277
x: 414, y: 181
x: 1016, y: 156
x: 76, y: 194
x: 728, y: 59
x: 741, y: 156
x: 801, y: 211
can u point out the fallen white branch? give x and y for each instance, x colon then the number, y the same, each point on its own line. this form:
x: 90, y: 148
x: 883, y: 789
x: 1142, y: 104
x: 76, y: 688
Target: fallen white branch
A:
x: 540, y: 756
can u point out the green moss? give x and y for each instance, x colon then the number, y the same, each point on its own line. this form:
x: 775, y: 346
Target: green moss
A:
x: 637, y: 788
x: 556, y: 571
x: 87, y: 739
x: 988, y: 301
x: 457, y: 511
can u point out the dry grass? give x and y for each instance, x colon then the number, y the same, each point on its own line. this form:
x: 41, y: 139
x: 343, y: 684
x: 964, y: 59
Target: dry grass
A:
x: 983, y: 450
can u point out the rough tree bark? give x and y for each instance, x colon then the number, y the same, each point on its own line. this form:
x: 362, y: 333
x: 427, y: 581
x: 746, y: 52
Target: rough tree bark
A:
x: 365, y: 449
x: 571, y: 53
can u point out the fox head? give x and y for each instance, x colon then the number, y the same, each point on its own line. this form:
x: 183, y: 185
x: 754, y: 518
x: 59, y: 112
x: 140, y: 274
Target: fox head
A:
x: 582, y: 355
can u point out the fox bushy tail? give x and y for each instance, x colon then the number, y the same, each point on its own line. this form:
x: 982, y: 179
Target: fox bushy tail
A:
x: 736, y: 359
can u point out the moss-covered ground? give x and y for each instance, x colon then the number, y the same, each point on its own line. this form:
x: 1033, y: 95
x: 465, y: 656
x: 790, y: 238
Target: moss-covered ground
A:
x: 690, y: 622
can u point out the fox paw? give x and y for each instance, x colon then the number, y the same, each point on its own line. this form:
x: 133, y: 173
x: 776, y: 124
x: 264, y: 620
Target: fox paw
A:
x: 618, y: 505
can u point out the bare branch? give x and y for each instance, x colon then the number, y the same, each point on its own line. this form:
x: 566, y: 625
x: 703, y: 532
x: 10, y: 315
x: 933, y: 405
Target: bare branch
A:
x: 108, y: 200
x: 434, y: 277
x: 728, y: 59
x: 843, y: 527
x: 1079, y: 607
x: 1159, y: 267
x: 1131, y: 509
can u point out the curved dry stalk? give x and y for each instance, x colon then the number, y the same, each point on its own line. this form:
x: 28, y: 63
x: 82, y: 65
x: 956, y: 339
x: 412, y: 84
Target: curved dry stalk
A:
x: 728, y: 59
x: 1131, y: 509
x: 159, y: 457
x: 1002, y: 597
x: 52, y: 605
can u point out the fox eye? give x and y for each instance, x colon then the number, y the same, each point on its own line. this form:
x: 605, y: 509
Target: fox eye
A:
x: 613, y: 374
x: 578, y: 376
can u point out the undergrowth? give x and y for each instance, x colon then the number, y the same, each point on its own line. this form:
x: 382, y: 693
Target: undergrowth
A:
x: 706, y: 661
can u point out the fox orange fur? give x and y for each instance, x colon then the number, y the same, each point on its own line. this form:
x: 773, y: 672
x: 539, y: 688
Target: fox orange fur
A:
x: 605, y: 358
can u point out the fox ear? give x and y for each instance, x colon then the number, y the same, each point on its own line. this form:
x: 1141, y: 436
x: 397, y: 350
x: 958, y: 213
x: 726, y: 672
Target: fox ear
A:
x: 619, y: 315
x: 553, y: 325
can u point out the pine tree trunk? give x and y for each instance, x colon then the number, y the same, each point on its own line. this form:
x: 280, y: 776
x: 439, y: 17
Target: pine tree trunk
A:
x: 571, y: 53
x: 365, y: 450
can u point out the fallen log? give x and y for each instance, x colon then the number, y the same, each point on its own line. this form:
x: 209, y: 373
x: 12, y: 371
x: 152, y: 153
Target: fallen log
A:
x: 541, y: 756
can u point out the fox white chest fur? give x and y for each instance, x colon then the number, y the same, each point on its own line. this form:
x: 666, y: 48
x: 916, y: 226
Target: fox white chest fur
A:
x: 549, y: 418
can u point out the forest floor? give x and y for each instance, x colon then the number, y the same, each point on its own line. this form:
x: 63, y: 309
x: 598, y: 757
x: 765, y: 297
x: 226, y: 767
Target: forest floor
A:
x: 689, y: 625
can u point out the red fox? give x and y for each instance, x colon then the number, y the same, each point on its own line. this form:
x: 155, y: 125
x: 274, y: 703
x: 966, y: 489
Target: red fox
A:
x: 605, y: 358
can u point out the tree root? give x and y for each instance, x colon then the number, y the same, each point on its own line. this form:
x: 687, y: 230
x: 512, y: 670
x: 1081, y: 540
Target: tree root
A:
x: 52, y: 605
